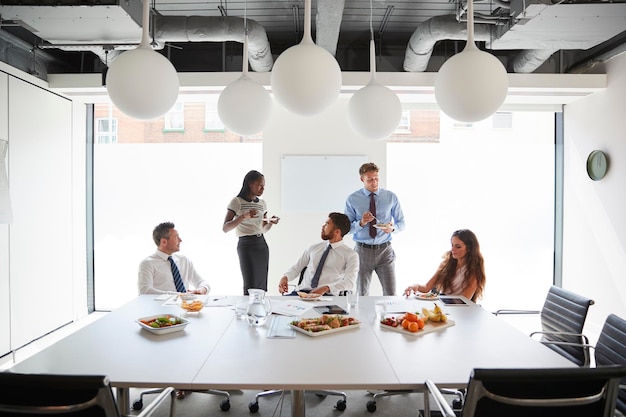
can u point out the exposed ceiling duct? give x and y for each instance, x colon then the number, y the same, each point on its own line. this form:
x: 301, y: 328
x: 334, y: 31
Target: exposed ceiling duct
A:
x: 183, y: 29
x: 522, y: 33
x: 218, y: 29
x: 539, y: 29
x: 328, y: 23
x: 423, y: 40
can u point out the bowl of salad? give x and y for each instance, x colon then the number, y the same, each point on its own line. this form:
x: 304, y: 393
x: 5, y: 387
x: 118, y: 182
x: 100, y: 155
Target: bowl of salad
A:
x: 163, y: 323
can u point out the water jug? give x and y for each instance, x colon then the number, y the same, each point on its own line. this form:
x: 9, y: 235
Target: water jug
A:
x: 259, y: 307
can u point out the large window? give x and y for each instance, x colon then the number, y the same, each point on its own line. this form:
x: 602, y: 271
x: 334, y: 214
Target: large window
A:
x: 495, y: 177
x: 151, y: 176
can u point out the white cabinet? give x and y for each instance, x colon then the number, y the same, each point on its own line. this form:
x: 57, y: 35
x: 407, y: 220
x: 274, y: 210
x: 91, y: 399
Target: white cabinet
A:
x: 5, y: 328
x: 36, y: 269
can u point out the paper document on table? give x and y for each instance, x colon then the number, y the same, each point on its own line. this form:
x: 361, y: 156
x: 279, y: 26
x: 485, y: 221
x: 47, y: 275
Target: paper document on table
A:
x: 291, y: 306
x: 219, y: 301
x: 280, y: 329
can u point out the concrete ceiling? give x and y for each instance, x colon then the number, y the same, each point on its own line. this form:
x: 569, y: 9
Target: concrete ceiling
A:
x: 64, y: 36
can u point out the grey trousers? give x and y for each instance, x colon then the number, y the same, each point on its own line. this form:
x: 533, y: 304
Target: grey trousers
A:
x: 380, y: 260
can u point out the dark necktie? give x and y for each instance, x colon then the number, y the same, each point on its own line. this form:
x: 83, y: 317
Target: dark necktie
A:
x: 178, y: 281
x: 373, y: 211
x: 320, y: 266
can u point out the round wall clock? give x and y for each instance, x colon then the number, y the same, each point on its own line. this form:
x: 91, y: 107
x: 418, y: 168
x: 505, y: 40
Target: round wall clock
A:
x: 597, y: 165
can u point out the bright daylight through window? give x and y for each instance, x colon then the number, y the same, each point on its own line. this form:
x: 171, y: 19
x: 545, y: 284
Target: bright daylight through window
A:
x: 490, y: 176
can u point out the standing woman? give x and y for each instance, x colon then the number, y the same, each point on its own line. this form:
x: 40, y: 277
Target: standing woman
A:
x: 247, y: 213
x: 462, y: 271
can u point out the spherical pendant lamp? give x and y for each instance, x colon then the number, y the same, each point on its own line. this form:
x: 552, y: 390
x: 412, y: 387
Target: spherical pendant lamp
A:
x: 374, y: 111
x: 306, y: 79
x: 473, y: 84
x: 244, y: 106
x: 142, y: 83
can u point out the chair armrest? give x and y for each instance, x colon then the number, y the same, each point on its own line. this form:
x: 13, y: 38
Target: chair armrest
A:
x: 586, y: 347
x: 585, y: 343
x: 505, y: 311
x: 154, y: 405
x: 442, y: 404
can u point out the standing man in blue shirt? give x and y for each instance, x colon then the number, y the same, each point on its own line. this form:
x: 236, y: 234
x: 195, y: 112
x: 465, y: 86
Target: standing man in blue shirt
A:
x: 374, y: 214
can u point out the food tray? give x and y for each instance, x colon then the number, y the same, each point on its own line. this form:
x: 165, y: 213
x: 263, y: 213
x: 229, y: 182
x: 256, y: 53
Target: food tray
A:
x: 429, y: 327
x: 308, y: 297
x: 163, y: 330
x: 427, y: 296
x: 324, y: 332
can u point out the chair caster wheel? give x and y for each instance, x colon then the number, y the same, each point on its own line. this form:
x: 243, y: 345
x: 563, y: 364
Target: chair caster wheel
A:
x: 341, y: 405
x: 253, y: 407
x: 371, y: 406
x: 457, y: 405
x: 138, y: 405
x: 225, y: 405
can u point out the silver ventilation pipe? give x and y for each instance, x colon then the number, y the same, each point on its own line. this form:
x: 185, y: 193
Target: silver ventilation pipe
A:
x: 438, y: 28
x: 209, y: 29
x: 328, y: 23
x: 529, y: 60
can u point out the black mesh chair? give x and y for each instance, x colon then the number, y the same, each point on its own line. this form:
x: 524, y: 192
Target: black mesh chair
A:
x: 571, y: 392
x: 611, y: 350
x: 66, y: 395
x: 562, y: 320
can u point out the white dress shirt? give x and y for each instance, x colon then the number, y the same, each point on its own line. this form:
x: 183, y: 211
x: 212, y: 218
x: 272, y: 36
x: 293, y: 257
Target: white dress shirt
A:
x: 155, y: 274
x: 339, y: 272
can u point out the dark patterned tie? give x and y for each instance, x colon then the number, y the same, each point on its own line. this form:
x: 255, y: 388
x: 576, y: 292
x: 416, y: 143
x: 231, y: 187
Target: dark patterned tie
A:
x: 373, y: 211
x: 180, y: 287
x: 320, y: 266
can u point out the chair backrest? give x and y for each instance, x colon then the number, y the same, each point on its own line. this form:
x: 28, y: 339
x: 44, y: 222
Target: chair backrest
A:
x: 571, y: 392
x: 565, y: 311
x: 61, y: 395
x: 611, y: 350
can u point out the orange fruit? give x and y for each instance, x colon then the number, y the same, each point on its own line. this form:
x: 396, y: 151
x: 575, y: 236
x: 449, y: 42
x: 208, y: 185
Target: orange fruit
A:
x: 411, y: 316
x: 420, y: 323
x: 413, y: 326
x: 405, y: 323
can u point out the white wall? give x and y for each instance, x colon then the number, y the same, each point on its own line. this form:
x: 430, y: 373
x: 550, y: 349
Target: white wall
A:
x: 594, y: 253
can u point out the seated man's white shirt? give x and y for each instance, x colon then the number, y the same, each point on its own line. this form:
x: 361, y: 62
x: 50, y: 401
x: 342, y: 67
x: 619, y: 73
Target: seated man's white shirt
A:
x: 339, y: 272
x: 155, y: 274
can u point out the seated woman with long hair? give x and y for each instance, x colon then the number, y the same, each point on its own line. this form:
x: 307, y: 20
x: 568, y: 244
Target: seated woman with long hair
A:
x: 462, y: 271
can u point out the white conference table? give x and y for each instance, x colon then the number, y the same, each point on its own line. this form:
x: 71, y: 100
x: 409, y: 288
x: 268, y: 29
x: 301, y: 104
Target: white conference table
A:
x: 217, y: 351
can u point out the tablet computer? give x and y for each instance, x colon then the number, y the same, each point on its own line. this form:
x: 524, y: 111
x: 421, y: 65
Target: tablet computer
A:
x: 451, y: 301
x: 332, y: 309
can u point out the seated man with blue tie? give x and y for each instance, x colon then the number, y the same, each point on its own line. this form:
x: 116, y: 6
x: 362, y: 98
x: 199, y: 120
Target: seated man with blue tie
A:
x: 164, y: 271
x: 331, y: 266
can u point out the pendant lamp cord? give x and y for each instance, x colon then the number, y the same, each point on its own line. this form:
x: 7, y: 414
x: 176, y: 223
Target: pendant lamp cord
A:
x: 245, y: 17
x: 371, y: 19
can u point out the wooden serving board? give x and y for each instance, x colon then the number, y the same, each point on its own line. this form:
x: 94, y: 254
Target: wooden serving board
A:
x: 429, y: 327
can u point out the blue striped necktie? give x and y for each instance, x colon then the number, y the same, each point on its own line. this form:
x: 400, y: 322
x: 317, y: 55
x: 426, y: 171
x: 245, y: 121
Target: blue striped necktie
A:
x: 320, y: 266
x: 180, y: 287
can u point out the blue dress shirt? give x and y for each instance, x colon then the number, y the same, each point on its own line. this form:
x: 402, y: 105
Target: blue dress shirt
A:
x: 388, y: 210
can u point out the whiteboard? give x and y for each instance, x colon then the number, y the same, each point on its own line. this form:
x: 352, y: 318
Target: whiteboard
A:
x: 312, y: 183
